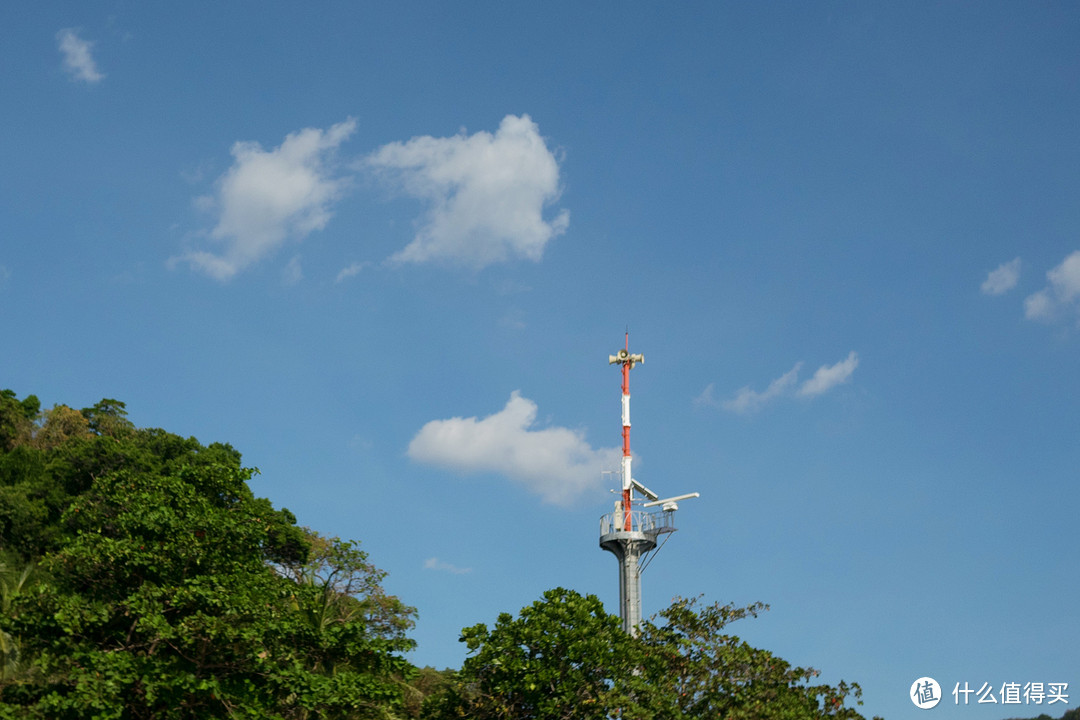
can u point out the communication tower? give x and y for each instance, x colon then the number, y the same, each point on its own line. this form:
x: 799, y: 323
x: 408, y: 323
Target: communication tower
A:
x: 631, y: 534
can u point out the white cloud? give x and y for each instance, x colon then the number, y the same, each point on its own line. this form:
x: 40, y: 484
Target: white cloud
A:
x: 1039, y: 306
x: 486, y: 193
x: 350, y: 271
x: 555, y: 463
x: 1003, y: 279
x: 267, y: 197
x: 434, y: 563
x: 747, y: 400
x: 1062, y: 294
x: 78, y: 61
x: 707, y: 396
x: 829, y: 376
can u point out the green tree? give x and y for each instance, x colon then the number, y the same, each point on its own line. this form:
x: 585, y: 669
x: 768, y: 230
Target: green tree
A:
x: 338, y: 592
x: 108, y: 417
x: 427, y: 687
x: 30, y: 503
x: 348, y: 588
x: 695, y: 669
x: 59, y: 424
x: 16, y: 418
x: 557, y: 660
x: 163, y: 605
x: 14, y: 580
x: 166, y: 594
x: 564, y: 657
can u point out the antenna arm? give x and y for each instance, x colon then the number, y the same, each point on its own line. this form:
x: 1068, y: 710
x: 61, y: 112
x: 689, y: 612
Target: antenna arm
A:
x: 643, y: 490
x: 677, y: 498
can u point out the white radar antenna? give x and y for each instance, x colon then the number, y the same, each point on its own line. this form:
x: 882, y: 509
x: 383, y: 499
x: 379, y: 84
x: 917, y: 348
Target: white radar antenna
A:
x: 629, y: 534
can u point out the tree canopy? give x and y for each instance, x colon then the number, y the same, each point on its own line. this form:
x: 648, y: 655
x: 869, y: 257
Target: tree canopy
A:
x: 565, y: 658
x: 163, y: 588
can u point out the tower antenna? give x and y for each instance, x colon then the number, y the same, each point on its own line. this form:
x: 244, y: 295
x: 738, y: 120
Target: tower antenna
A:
x: 627, y: 533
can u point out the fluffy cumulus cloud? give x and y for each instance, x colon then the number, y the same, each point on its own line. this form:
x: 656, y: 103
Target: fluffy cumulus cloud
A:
x: 270, y: 196
x: 1003, y: 279
x: 555, y: 463
x: 1061, y: 296
x: 78, y: 60
x: 748, y: 400
x: 486, y: 193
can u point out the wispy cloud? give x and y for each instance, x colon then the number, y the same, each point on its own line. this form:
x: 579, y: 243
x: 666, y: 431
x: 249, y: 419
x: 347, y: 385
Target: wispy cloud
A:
x: 268, y: 197
x: 350, y: 271
x: 556, y: 463
x: 434, y: 563
x: 1061, y: 296
x: 829, y: 376
x: 707, y: 397
x: 486, y: 193
x: 1003, y: 279
x: 747, y: 400
x: 78, y: 60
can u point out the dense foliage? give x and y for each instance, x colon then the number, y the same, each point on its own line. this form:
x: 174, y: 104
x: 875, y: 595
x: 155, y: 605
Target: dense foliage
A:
x: 558, y: 659
x: 141, y: 578
x: 565, y: 658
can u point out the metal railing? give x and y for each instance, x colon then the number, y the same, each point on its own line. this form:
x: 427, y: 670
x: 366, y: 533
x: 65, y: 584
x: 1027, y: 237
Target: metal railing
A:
x: 641, y: 521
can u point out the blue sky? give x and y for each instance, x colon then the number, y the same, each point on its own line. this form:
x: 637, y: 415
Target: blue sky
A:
x: 386, y: 249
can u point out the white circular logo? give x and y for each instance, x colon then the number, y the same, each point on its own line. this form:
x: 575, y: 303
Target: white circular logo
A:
x: 925, y: 693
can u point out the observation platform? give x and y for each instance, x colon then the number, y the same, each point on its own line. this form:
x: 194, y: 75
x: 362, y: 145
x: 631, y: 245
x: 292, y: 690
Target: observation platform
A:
x: 645, y: 527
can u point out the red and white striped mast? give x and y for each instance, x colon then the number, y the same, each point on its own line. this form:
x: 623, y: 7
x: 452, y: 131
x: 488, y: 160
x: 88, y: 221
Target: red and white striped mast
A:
x: 627, y: 361
x: 630, y: 538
